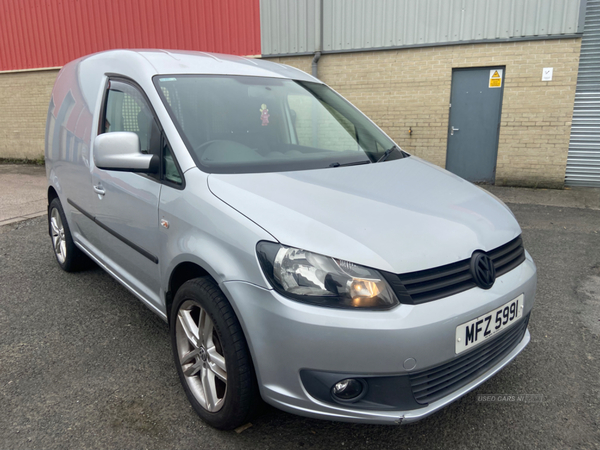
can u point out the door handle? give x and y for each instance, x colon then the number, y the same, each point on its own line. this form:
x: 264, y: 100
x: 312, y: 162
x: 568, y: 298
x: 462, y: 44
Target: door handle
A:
x: 452, y: 130
x: 99, y: 190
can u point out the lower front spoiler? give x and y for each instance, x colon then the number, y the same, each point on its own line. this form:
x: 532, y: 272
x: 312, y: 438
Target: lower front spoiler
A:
x: 325, y: 411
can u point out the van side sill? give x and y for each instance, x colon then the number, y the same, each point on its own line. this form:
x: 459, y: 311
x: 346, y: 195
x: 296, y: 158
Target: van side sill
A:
x: 144, y: 300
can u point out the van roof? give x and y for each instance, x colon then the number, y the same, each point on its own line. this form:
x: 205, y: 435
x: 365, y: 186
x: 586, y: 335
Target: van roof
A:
x: 158, y: 62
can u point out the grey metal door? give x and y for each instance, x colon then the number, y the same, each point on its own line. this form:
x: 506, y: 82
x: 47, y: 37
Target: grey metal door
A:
x: 474, y: 123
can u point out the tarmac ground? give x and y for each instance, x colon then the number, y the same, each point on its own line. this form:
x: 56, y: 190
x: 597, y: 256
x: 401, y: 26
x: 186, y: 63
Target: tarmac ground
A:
x: 83, y: 364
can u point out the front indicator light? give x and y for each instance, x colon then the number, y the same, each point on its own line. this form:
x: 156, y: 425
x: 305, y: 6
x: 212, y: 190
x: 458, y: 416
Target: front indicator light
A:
x: 364, y: 288
x: 313, y: 278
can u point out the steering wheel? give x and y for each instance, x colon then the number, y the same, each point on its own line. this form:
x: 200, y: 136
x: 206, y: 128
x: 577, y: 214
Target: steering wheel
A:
x: 223, y: 146
x: 200, y: 149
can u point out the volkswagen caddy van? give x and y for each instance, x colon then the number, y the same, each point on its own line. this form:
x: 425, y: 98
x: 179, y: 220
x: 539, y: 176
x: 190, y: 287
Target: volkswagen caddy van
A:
x: 297, y: 254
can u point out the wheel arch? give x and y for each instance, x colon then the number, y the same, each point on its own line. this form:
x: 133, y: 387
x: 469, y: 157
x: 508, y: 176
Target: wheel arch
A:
x: 188, y: 269
x: 52, y: 194
x: 182, y: 272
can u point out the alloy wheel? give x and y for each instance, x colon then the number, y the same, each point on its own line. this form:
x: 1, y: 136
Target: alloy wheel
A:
x: 58, y: 236
x: 201, y: 356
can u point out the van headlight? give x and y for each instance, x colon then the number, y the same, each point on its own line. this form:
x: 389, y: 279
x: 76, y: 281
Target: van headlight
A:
x: 320, y: 280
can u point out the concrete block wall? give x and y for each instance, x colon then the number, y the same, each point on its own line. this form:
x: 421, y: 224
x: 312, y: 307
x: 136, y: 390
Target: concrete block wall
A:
x: 410, y: 88
x: 398, y: 89
x: 24, y: 99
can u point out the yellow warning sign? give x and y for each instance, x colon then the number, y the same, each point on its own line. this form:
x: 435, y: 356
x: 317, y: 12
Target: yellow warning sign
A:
x: 495, y: 78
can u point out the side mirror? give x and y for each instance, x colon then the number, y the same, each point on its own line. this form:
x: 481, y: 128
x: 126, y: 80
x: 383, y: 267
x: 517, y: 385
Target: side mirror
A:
x: 120, y: 150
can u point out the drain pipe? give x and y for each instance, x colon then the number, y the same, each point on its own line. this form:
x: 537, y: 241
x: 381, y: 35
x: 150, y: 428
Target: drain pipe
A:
x: 315, y: 112
x: 315, y: 64
x: 318, y: 38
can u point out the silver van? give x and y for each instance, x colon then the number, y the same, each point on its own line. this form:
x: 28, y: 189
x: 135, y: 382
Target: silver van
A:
x: 298, y: 255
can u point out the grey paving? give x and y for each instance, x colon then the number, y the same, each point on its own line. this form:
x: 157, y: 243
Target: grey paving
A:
x: 22, y: 192
x: 576, y: 197
x: 83, y: 364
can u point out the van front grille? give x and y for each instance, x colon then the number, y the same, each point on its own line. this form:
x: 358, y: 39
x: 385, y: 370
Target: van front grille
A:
x: 432, y: 284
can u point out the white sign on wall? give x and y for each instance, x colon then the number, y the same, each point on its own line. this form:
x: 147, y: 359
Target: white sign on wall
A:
x: 547, y: 73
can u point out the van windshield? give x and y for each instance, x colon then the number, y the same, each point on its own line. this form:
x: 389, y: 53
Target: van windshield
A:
x: 243, y: 124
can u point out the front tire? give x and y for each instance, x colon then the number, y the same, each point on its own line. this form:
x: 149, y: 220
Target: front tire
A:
x: 69, y: 257
x: 211, y: 355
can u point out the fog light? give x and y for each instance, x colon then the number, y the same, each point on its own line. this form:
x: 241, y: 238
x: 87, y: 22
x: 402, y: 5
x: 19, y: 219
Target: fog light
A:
x: 348, y: 389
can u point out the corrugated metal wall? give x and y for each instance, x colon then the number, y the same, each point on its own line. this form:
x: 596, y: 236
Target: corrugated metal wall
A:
x: 289, y: 27
x: 49, y: 33
x: 583, y: 164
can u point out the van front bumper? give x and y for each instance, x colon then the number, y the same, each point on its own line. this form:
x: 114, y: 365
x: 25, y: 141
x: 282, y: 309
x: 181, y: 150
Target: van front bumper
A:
x: 299, y: 351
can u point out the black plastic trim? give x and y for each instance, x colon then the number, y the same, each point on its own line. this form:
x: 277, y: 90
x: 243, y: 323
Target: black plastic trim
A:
x: 153, y: 168
x: 137, y: 248
x: 391, y: 393
x: 435, y: 383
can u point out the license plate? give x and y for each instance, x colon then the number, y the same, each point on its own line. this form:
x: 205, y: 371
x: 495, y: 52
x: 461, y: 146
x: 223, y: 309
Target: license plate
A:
x: 477, y: 331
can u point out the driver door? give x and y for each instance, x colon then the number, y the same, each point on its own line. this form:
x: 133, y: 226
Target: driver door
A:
x: 126, y: 203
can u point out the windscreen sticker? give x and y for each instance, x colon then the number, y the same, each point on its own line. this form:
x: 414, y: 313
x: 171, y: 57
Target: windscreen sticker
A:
x: 168, y: 79
x: 264, y: 115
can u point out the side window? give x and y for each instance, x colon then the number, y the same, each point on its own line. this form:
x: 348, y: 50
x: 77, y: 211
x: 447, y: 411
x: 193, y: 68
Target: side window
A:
x: 127, y: 110
x: 170, y: 172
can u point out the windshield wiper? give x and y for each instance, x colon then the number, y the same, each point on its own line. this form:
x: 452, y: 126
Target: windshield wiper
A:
x: 388, y: 152
x: 355, y: 163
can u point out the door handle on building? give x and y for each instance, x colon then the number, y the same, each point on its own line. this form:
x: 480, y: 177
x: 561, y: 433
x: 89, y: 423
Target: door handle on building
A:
x: 99, y: 190
x: 452, y: 130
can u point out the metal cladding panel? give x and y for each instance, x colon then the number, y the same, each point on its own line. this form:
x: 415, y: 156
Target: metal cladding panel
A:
x: 288, y: 26
x: 365, y: 24
x: 583, y: 163
x: 45, y: 33
x: 372, y: 24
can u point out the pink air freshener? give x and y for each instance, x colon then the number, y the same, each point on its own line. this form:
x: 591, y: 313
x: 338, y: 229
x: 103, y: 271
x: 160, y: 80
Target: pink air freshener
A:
x: 264, y: 115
